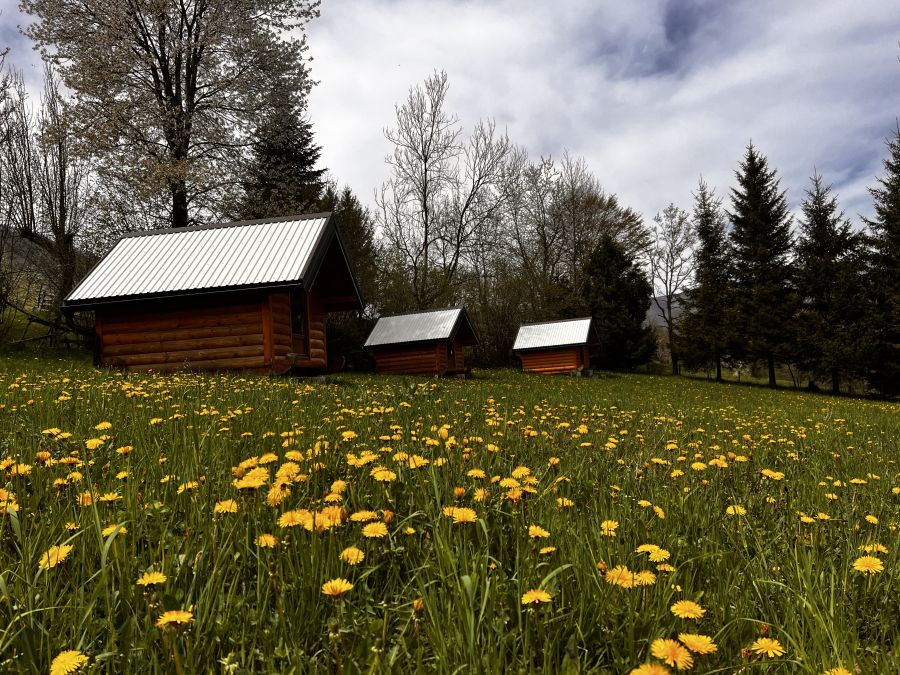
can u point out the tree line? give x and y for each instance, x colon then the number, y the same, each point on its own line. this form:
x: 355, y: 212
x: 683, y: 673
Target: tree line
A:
x: 173, y: 113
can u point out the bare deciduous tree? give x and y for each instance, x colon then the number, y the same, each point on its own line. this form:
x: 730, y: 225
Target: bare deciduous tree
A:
x: 443, y: 193
x: 163, y: 88
x: 671, y: 261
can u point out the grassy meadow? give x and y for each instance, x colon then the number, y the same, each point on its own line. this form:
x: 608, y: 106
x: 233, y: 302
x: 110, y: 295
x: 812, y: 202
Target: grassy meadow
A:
x: 509, y: 523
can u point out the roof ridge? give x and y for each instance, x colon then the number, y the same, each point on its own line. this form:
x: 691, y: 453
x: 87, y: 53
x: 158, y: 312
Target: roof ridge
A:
x: 542, y: 323
x: 228, y: 223
x: 422, y: 311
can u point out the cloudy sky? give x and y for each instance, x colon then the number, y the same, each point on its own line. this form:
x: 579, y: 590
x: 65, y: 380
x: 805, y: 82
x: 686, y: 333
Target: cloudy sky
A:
x: 652, y: 93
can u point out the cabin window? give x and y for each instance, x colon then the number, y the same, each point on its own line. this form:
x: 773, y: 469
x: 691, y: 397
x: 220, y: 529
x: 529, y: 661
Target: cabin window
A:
x: 450, y: 353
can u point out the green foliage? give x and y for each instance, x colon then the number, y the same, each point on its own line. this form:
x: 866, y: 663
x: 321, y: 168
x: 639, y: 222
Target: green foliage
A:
x: 617, y: 294
x: 761, y: 242
x: 834, y: 325
x: 885, y: 273
x: 689, y: 448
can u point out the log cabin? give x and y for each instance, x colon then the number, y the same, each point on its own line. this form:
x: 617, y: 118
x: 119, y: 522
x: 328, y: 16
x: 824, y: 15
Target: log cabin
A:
x: 422, y: 343
x: 555, y: 346
x: 240, y: 295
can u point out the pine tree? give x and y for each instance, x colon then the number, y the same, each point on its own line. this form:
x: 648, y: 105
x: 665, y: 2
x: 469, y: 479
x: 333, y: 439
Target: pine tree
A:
x: 282, y: 177
x: 706, y: 321
x: 761, y: 239
x: 885, y: 273
x: 617, y: 294
x: 832, y: 331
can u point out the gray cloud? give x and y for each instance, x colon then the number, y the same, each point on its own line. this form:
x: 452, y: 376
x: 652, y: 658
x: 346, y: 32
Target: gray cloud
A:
x: 651, y: 93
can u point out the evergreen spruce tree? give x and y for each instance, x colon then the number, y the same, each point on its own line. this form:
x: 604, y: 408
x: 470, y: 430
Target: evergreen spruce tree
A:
x: 282, y: 177
x: 706, y: 321
x: 761, y: 239
x: 832, y: 331
x: 884, y: 274
x: 617, y: 294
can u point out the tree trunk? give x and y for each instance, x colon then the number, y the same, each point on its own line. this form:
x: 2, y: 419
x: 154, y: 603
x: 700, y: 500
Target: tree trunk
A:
x: 835, y: 381
x: 674, y: 357
x: 179, y: 203
x: 771, y: 363
x: 718, y: 368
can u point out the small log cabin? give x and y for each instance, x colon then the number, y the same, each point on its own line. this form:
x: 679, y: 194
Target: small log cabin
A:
x: 422, y: 343
x: 555, y: 346
x: 241, y: 295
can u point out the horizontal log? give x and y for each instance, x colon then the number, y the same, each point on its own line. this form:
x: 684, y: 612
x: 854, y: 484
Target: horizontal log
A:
x: 180, y: 334
x: 185, y: 356
x: 163, y: 346
x: 198, y: 320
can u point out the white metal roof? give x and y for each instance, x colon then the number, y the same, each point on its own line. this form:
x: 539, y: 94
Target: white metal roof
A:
x: 553, y: 334
x: 417, y: 327
x: 205, y: 257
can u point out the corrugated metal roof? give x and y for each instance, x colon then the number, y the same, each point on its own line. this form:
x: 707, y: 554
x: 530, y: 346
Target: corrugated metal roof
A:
x: 417, y: 327
x: 553, y: 334
x: 205, y: 257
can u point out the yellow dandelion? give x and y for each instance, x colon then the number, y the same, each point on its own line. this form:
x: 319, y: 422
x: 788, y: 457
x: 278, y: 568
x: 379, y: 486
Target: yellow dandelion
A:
x: 375, y: 530
x: 839, y: 670
x: 151, y: 579
x: 736, y: 510
x: 699, y: 644
x: 868, y: 564
x: 226, y: 506
x: 767, y: 647
x: 175, y: 617
x: 53, y: 556
x: 109, y: 529
x: 536, y: 596
x: 352, y: 555
x: 67, y: 662
x: 672, y: 653
x: 608, y: 528
x: 336, y: 587
x: 687, y: 609
x: 267, y: 541
x: 650, y: 669
x: 537, y: 532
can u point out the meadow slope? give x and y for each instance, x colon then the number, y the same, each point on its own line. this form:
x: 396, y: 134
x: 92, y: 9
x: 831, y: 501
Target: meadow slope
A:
x: 509, y: 523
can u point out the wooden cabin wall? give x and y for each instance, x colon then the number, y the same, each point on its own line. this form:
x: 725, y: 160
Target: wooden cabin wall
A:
x: 413, y: 360
x: 212, y: 338
x: 563, y: 360
x: 316, y: 330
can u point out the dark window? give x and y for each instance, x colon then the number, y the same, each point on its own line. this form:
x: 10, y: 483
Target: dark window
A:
x: 298, y: 314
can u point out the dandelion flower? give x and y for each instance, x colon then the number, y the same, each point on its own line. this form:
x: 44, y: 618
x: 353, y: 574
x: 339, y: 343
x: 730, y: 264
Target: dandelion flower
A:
x: 109, y: 529
x: 375, y: 530
x: 151, y: 579
x: 608, y: 528
x: 840, y: 670
x: 537, y: 532
x: 336, y: 587
x: 672, y: 653
x: 67, y: 662
x: 699, y: 644
x: 267, y: 541
x: 736, y: 510
x: 352, y: 555
x: 53, y: 556
x: 226, y: 506
x: 687, y: 609
x: 650, y: 669
x: 868, y: 564
x: 536, y: 595
x: 177, y: 617
x: 767, y: 647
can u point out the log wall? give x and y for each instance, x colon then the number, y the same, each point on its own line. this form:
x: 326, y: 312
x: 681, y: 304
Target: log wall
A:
x: 565, y: 360
x: 412, y: 360
x: 207, y: 338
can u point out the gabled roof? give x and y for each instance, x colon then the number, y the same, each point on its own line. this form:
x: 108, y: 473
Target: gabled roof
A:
x: 429, y: 326
x: 550, y: 334
x: 224, y: 256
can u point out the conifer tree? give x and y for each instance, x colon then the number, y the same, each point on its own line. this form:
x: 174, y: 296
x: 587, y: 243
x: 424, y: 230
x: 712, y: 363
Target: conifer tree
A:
x: 885, y: 273
x: 832, y: 332
x: 706, y: 321
x: 282, y: 177
x: 761, y: 239
x: 617, y: 294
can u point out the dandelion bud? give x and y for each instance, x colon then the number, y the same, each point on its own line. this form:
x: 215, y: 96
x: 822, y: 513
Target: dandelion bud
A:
x: 419, y: 604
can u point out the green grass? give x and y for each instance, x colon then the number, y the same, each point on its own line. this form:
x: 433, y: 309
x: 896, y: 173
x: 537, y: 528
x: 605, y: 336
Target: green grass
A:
x: 257, y: 609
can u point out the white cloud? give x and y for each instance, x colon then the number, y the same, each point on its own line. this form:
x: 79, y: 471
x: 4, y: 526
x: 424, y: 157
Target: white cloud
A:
x: 814, y: 85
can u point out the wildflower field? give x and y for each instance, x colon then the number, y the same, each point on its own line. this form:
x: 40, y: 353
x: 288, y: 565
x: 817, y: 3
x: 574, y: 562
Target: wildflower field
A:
x: 508, y: 523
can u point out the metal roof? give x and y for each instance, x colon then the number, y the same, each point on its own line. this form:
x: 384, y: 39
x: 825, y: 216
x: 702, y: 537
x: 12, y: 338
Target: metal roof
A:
x: 553, y: 334
x: 206, y: 257
x: 428, y: 326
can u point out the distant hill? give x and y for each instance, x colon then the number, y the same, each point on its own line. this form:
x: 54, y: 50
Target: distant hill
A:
x: 654, y: 315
